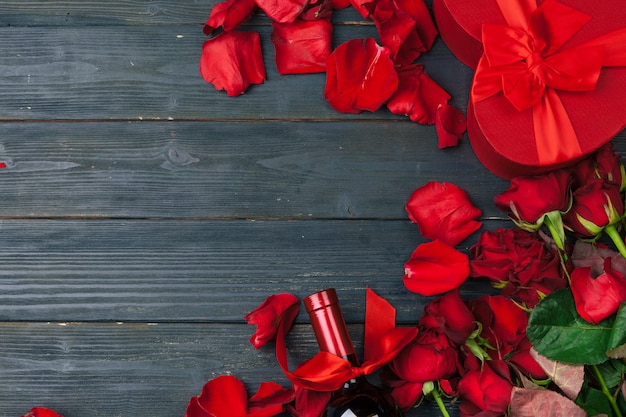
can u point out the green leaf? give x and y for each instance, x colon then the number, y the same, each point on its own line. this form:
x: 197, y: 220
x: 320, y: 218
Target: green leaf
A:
x: 556, y: 331
x: 617, y: 343
x: 612, y: 372
x: 594, y: 402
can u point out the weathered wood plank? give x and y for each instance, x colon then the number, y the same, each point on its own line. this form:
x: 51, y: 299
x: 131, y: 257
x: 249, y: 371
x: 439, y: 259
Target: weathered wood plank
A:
x: 121, y: 270
x: 151, y: 72
x: 228, y: 170
x: 125, y: 369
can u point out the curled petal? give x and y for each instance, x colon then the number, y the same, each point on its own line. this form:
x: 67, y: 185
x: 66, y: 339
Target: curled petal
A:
x: 267, y: 317
x: 597, y: 298
x: 435, y: 268
x: 450, y: 123
x: 282, y: 11
x: 229, y: 14
x: 303, y: 46
x: 444, y: 212
x: 232, y: 61
x: 360, y: 75
x: 224, y: 396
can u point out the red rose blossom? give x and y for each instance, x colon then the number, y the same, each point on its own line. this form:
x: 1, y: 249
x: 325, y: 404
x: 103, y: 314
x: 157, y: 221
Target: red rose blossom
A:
x: 229, y: 14
x: 596, y: 205
x: 485, y: 391
x: 519, y: 262
x: 435, y: 268
x: 429, y: 357
x: 42, y: 412
x: 529, y: 199
x: 597, y: 297
x: 267, y: 317
x: 449, y: 314
x: 226, y: 396
x: 232, y: 61
x: 443, y: 211
x: 360, y: 75
x: 302, y: 46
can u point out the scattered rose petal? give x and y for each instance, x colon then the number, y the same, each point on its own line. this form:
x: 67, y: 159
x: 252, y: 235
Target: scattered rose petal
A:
x: 450, y: 123
x: 232, y: 61
x: 435, y: 268
x: 229, y: 14
x: 42, y: 412
x: 303, y: 46
x: 567, y: 377
x: 360, y: 75
x: 443, y: 211
x: 282, y: 11
x: 267, y: 317
x: 542, y: 403
x: 418, y: 96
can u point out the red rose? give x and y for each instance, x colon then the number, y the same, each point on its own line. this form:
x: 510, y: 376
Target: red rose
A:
x: 435, y: 268
x: 596, y: 205
x: 360, y: 75
x: 503, y: 322
x: 443, y: 212
x: 229, y: 14
x: 232, y: 61
x: 485, y: 391
x: 267, y: 317
x: 528, y: 199
x: 609, y: 166
x: 429, y: 357
x: 42, y: 412
x: 449, y: 314
x: 226, y: 396
x: 519, y: 262
x: 597, y: 297
x: 302, y: 46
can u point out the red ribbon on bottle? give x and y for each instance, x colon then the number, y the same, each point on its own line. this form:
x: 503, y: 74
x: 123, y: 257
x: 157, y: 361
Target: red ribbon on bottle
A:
x: 526, y: 61
x: 328, y: 372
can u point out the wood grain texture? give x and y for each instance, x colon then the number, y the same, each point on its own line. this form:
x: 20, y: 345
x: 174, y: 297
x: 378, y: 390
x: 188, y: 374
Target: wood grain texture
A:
x: 291, y: 170
x: 150, y: 72
x: 137, y: 369
x: 122, y: 270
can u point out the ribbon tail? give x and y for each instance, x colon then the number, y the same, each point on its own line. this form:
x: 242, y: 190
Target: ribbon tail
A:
x: 614, y: 44
x: 555, y: 136
x: 380, y: 316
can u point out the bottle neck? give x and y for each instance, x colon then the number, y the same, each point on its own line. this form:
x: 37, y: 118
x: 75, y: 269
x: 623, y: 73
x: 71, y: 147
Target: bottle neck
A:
x: 329, y: 326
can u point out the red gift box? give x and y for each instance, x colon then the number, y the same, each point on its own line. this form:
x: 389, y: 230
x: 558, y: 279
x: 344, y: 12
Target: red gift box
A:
x: 550, y: 81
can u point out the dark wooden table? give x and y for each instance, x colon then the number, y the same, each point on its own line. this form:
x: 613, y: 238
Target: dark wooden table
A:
x: 143, y: 213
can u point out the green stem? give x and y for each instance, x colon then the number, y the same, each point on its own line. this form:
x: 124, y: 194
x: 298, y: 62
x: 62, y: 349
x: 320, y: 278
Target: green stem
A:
x: 611, y: 230
x: 439, y: 401
x: 554, y: 222
x: 605, y: 391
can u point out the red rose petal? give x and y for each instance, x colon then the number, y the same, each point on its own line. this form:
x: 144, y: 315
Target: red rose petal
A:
x: 360, y: 75
x: 450, y: 123
x: 220, y: 397
x: 232, y: 61
x: 229, y: 14
x: 282, y: 11
x: 435, y: 268
x: 303, y: 46
x: 267, y: 317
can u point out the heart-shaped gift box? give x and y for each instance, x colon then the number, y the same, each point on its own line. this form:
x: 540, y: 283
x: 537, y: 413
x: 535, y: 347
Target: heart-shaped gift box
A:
x: 550, y: 80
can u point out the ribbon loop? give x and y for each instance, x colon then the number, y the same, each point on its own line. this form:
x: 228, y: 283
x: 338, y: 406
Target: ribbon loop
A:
x: 527, y: 62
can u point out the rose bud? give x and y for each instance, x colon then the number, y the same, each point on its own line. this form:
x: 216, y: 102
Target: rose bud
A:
x: 609, y: 166
x: 596, y: 205
x: 598, y: 297
x: 531, y: 201
x: 485, y: 391
x: 450, y: 315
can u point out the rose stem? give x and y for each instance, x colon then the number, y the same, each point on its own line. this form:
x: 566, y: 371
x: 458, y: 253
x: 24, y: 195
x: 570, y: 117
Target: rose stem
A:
x: 605, y: 391
x: 439, y: 401
x: 616, y: 238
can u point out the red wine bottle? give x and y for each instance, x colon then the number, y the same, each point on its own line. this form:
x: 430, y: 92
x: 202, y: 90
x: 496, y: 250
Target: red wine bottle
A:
x: 357, y: 397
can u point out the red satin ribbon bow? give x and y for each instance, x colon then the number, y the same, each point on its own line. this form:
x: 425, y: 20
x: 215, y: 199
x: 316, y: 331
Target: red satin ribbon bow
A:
x: 524, y: 60
x: 328, y: 372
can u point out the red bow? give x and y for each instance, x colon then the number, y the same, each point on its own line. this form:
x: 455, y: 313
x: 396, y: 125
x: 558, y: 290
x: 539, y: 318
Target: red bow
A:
x: 328, y: 372
x: 526, y: 61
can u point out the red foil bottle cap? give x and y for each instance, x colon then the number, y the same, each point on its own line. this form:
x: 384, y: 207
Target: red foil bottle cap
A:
x: 328, y: 324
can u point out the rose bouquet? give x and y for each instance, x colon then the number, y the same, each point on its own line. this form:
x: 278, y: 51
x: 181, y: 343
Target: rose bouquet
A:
x: 550, y: 341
